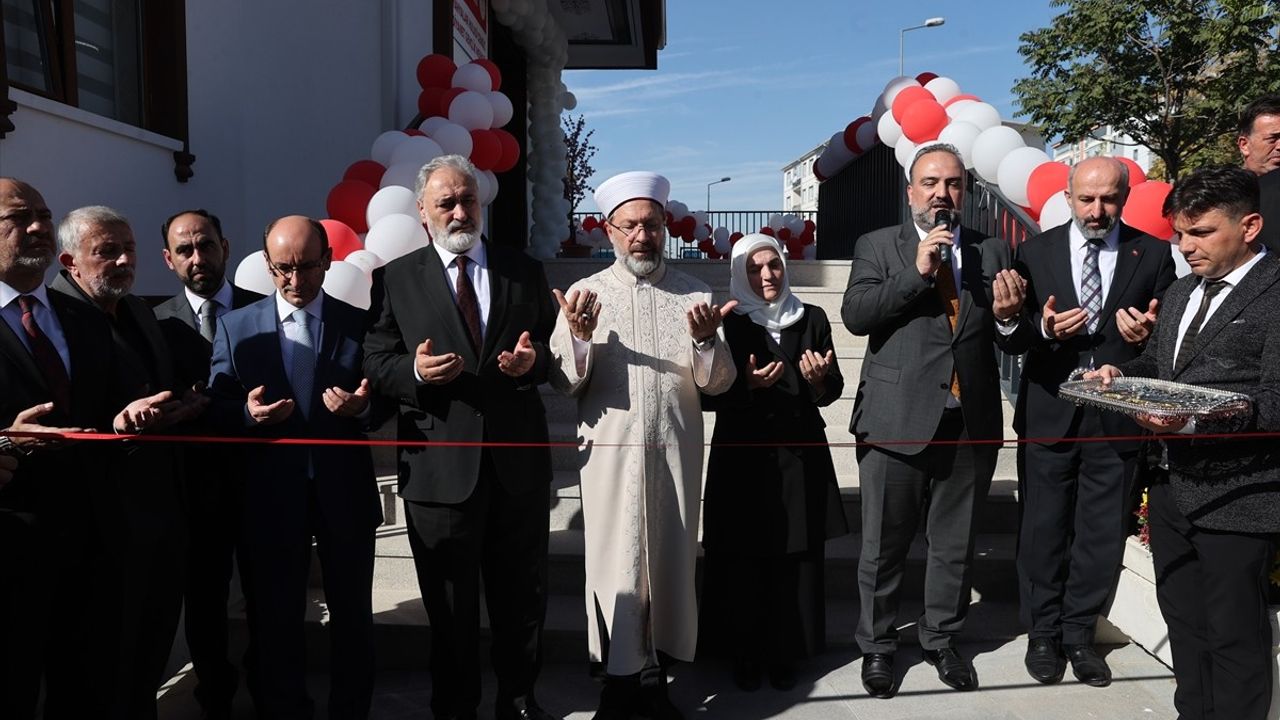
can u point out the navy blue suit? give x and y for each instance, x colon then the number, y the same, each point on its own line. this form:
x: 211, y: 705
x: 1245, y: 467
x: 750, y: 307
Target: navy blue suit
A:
x: 293, y: 493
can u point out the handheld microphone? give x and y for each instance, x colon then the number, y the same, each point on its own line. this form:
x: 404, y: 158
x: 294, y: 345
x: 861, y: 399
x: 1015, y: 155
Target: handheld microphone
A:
x: 943, y: 217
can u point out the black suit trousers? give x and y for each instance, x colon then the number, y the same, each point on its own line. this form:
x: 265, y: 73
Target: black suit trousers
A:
x: 22, y: 613
x: 944, y: 484
x: 1212, y: 590
x: 1072, y: 533
x: 502, y: 537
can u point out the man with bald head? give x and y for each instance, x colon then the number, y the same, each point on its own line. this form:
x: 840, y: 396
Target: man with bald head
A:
x: 290, y: 366
x: 1093, y: 296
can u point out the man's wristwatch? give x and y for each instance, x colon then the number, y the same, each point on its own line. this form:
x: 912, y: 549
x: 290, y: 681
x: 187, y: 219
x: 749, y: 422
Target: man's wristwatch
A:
x: 1007, y: 322
x: 705, y: 343
x: 9, y: 447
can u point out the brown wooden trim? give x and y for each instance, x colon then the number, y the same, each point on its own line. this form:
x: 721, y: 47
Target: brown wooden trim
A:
x: 442, y: 27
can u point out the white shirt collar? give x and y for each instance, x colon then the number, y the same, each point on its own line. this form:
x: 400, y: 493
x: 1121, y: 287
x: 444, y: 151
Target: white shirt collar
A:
x: 223, y: 297
x: 1234, y: 277
x: 8, y: 294
x: 955, y: 233
x: 1110, y: 241
x: 476, y: 254
x: 284, y: 309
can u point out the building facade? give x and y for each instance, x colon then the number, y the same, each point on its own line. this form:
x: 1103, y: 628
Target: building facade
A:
x: 1107, y: 141
x: 799, y: 184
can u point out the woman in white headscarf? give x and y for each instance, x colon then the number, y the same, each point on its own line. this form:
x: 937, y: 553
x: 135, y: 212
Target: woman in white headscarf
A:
x: 771, y: 499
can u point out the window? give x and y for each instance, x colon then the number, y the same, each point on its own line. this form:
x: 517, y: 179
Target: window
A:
x: 121, y: 59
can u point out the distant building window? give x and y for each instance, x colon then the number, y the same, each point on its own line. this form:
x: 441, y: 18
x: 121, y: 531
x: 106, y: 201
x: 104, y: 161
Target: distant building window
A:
x: 122, y: 59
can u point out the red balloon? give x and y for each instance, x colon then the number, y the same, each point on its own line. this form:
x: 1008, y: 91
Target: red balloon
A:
x: 436, y: 70
x: 851, y: 135
x: 734, y: 238
x: 925, y: 77
x: 795, y: 249
x: 493, y: 71
x: 1143, y: 210
x: 1136, y: 175
x: 348, y: 201
x: 784, y: 235
x: 810, y: 226
x: 908, y: 97
x: 766, y: 230
x: 688, y: 236
x: 446, y: 99
x: 411, y: 132
x: 808, y: 236
x: 366, y: 171
x: 962, y: 96
x: 510, y: 150
x: 1045, y: 181
x: 923, y: 120
x: 688, y: 224
x: 589, y: 222
x: 342, y: 239
x: 670, y: 219
x: 486, y: 149
x: 818, y: 173
x: 429, y: 102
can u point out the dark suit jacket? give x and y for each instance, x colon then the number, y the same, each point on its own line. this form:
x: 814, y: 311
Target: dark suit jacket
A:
x: 1226, y: 484
x: 412, y: 302
x: 906, y: 373
x: 1144, y: 269
x: 1269, y: 189
x: 246, y: 354
x: 181, y: 328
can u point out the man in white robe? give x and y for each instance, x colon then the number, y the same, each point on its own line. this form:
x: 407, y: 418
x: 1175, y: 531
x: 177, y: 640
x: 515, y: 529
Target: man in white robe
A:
x: 636, y: 344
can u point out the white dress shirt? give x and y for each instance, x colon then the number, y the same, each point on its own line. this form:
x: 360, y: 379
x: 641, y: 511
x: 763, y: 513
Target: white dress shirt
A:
x: 289, y: 330
x: 478, y: 271
x: 45, y: 317
x: 223, y: 298
x: 1232, y: 279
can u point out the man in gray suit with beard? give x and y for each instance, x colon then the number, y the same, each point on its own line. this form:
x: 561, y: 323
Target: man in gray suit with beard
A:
x: 1214, y: 506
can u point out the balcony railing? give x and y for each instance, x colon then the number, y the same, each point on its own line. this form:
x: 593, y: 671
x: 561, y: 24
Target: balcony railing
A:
x: 743, y: 221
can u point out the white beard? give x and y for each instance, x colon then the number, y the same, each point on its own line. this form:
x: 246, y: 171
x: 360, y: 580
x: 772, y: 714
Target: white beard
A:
x: 454, y: 241
x: 641, y: 268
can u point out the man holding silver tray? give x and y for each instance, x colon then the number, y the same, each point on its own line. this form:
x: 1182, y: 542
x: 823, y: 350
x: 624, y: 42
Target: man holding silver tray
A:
x: 1215, y: 510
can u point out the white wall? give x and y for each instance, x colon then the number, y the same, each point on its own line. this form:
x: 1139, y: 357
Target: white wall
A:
x: 283, y: 95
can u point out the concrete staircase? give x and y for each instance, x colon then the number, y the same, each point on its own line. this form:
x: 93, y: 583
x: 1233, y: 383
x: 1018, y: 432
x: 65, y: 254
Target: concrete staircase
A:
x: 403, y: 639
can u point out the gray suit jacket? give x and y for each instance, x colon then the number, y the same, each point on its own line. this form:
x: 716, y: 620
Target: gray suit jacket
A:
x: 906, y: 373
x: 1226, y: 484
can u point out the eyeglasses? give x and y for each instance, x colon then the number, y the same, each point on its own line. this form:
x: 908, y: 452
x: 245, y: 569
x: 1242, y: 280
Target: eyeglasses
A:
x: 653, y: 228
x: 288, y: 270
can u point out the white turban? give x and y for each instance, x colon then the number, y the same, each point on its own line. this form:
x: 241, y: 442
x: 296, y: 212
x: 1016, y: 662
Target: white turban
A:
x: 629, y: 186
x: 776, y: 315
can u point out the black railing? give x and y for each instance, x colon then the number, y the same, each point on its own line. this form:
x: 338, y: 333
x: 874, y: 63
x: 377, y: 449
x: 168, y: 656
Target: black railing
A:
x: 743, y: 221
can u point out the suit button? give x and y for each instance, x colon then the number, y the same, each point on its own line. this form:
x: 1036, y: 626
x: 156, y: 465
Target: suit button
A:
x: 943, y: 386
x: 479, y: 414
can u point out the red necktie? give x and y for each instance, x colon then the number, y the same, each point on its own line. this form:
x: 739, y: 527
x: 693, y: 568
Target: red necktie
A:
x: 46, y: 356
x: 468, y: 305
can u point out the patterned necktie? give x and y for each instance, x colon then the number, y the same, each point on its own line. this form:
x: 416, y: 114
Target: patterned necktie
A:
x: 46, y: 355
x: 945, y: 281
x: 208, y: 316
x: 1211, y: 289
x: 1091, y: 286
x: 304, y: 362
x: 468, y: 305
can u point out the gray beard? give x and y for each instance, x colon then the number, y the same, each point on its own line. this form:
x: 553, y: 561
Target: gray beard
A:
x: 1092, y: 233
x: 642, y: 268
x: 457, y: 242
x: 33, y: 263
x: 103, y: 289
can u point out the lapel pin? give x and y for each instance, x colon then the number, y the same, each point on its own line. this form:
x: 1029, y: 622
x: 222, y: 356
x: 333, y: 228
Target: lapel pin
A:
x: 1135, y: 252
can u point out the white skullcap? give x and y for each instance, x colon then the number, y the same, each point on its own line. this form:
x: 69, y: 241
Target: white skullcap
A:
x: 629, y: 186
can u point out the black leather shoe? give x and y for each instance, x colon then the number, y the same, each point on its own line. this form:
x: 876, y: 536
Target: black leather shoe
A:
x: 1087, y: 665
x: 1045, y: 661
x: 952, y: 669
x: 655, y: 704
x: 525, y: 708
x: 618, y: 700
x: 877, y: 674
x: 782, y: 675
x: 746, y: 674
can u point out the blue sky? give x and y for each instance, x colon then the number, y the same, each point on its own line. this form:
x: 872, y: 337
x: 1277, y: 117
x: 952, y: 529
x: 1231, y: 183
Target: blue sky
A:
x: 746, y: 86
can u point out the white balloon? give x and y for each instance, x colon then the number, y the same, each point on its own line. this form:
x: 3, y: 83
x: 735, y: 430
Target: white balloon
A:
x: 1014, y: 171
x: 811, y: 251
x: 888, y: 130
x: 841, y: 155
x: 472, y: 77
x: 568, y: 100
x: 453, y: 139
x: 701, y: 232
x: 678, y: 210
x: 959, y: 106
x: 348, y: 283
x: 896, y: 86
x: 878, y: 109
x: 794, y: 223
x: 719, y: 233
x: 404, y: 175
x: 599, y: 238
x: 866, y: 135
x: 390, y: 200
x: 991, y: 147
x: 251, y: 274
x: 775, y: 222
x: 943, y: 88
x: 826, y: 166
x: 981, y: 114
x: 492, y: 179
x: 417, y: 150
x: 472, y: 110
x: 1055, y: 212
x: 700, y: 217
x: 385, y: 144
x: 482, y: 187
x: 502, y: 109
x: 365, y: 260
x: 905, y: 152
x: 722, y: 244
x: 396, y: 235
x: 432, y: 124
x: 961, y: 135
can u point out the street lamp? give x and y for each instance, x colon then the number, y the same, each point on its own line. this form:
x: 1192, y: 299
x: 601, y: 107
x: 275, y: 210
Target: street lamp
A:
x: 714, y: 182
x: 931, y: 22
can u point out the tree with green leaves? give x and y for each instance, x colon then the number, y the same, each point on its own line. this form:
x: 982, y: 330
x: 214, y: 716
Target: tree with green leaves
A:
x: 1171, y: 74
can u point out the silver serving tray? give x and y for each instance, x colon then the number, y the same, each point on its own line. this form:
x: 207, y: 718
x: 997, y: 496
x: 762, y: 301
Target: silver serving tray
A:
x: 1158, y: 398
